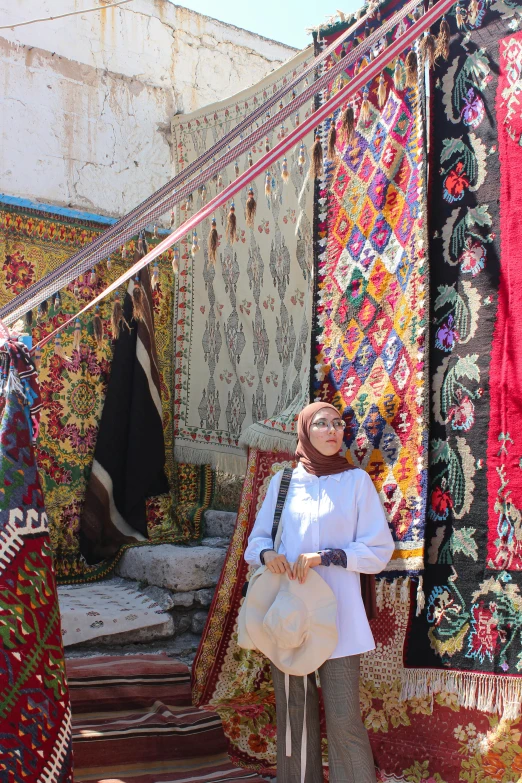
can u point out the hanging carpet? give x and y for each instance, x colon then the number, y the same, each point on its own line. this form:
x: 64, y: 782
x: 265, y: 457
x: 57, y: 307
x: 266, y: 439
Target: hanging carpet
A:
x: 371, y: 298
x: 33, y: 242
x: 469, y: 638
x: 129, y: 457
x: 243, y: 324
x: 35, y: 714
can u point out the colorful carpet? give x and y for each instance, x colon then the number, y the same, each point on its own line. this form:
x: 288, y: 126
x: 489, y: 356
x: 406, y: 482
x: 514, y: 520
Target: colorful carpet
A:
x: 35, y: 715
x: 243, y: 324
x: 469, y: 639
x: 31, y: 244
x: 371, y: 300
x: 133, y: 722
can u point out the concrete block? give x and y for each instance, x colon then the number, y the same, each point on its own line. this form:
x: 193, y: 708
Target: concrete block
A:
x: 175, y: 567
x: 183, y: 600
x: 163, y: 598
x: 220, y: 524
x: 164, y: 630
x: 204, y: 597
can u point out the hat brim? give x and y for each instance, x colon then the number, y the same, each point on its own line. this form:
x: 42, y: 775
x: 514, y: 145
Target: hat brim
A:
x: 322, y: 608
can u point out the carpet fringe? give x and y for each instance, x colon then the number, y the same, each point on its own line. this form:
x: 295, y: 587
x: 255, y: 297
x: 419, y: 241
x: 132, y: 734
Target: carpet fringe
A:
x: 401, y: 586
x: 493, y: 693
x: 268, y: 440
x: 228, y: 463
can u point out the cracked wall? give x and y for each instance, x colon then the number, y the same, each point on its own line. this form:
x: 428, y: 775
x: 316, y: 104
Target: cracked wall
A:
x: 86, y: 102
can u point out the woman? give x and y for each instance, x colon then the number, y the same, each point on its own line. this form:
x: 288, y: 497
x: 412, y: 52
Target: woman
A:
x: 332, y: 521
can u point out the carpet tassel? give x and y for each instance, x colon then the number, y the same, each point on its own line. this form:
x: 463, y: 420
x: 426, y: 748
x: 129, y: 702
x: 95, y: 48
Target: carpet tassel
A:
x: 77, y: 335
x: 316, y: 165
x: 332, y: 139
x: 285, y: 175
x: 473, y: 11
x: 459, y: 16
x: 428, y: 47
x: 117, y: 318
x: 231, y: 230
x: 250, y: 210
x: 213, y: 241
x: 443, y: 40
x: 28, y: 320
x: 194, y: 250
x: 364, y: 115
x: 175, y: 260
x: 381, y: 91
x: 411, y: 69
x: 268, y: 184
x: 399, y: 75
x: 348, y: 123
x: 155, y: 276
x: 138, y: 305
x: 302, y: 157
x: 97, y: 326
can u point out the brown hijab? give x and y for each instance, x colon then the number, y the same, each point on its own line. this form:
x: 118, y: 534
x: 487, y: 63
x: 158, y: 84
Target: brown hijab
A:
x: 311, y: 459
x: 321, y: 465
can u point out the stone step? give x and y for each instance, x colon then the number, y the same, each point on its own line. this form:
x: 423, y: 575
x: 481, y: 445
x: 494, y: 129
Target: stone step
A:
x: 220, y: 524
x: 176, y: 568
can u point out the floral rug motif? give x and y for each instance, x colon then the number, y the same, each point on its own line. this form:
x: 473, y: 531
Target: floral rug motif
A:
x: 31, y: 244
x: 472, y: 624
x: 371, y: 304
x: 243, y: 323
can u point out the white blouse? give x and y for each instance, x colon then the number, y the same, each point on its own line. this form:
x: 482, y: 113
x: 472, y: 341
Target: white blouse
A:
x: 341, y: 511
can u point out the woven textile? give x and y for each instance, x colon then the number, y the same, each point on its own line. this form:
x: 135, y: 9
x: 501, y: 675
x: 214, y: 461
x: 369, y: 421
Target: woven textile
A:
x: 31, y: 244
x: 243, y: 325
x: 129, y: 457
x: 371, y: 307
x: 35, y: 716
x: 469, y: 638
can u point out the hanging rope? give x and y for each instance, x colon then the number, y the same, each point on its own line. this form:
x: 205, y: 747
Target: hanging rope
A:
x: 364, y: 76
x: 63, y: 16
x: 159, y: 202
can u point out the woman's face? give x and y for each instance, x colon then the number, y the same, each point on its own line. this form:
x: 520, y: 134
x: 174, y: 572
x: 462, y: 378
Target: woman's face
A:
x: 323, y: 435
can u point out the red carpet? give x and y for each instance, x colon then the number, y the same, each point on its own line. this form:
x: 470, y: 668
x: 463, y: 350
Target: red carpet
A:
x: 133, y: 723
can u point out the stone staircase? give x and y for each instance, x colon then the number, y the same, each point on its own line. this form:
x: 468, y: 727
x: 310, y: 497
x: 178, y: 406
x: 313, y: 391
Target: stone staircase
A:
x: 182, y: 580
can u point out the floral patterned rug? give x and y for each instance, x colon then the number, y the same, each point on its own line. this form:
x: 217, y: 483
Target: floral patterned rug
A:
x: 33, y: 242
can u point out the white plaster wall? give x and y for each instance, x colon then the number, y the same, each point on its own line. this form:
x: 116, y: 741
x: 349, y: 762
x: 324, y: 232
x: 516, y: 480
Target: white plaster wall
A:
x: 86, y: 102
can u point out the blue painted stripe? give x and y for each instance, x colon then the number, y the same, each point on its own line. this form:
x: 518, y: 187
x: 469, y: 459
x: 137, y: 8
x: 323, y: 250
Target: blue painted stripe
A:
x: 25, y: 203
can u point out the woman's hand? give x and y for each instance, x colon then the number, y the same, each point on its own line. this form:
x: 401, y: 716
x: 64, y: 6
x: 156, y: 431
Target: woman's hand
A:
x: 278, y: 564
x: 304, y: 563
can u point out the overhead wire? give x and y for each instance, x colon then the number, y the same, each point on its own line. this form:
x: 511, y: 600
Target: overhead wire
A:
x: 63, y: 16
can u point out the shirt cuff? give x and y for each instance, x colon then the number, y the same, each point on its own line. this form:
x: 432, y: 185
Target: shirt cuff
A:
x: 333, y: 557
x: 262, y: 555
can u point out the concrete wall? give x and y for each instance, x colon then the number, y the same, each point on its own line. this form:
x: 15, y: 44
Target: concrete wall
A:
x: 86, y: 102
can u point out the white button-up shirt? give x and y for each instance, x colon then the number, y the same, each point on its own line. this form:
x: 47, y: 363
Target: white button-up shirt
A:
x: 341, y: 511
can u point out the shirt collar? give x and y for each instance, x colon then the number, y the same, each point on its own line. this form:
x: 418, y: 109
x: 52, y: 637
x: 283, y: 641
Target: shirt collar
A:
x: 301, y: 472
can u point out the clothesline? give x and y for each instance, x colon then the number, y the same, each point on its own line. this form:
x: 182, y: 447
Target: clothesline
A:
x: 364, y: 76
x: 49, y: 285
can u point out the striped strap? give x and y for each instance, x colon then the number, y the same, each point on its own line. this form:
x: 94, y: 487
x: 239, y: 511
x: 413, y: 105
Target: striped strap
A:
x: 281, y: 498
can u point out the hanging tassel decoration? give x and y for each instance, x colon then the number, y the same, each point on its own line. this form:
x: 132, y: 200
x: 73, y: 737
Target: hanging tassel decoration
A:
x: 284, y: 170
x: 155, y: 232
x: 250, y: 160
x: 43, y: 309
x: 268, y: 184
x: 364, y: 115
x: 138, y: 305
x: 58, y: 348
x: 213, y: 241
x: 236, y: 169
x: 124, y: 251
x: 37, y: 357
x: 459, y: 16
x: 175, y: 260
x: 155, y: 276
x: 381, y: 91
x: 195, y: 244
x: 97, y: 327
x: 316, y: 166
x: 92, y: 277
x: 28, y: 318
x: 428, y: 48
x: 140, y: 249
x: 232, y: 225
x: 473, y: 11
x: 203, y: 193
x: 109, y: 263
x: 332, y: 138
x: 399, y: 76
x: 77, y: 335
x: 302, y: 157
x: 411, y: 69
x: 57, y: 301
x: 251, y: 207
x: 267, y: 145
x: 348, y: 123
x: 443, y: 40
x: 220, y: 181
x: 117, y: 319
x: 76, y: 290
x: 172, y: 219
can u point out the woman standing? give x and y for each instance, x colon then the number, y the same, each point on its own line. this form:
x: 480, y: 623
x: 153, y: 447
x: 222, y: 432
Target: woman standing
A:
x: 333, y: 522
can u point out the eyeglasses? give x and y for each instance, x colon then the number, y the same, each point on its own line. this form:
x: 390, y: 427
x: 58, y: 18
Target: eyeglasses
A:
x: 323, y: 424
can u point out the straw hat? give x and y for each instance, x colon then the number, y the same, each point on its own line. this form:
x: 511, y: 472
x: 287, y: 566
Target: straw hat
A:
x: 294, y: 625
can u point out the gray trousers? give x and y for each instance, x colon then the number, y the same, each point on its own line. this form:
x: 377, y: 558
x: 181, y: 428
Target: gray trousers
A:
x: 349, y: 754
